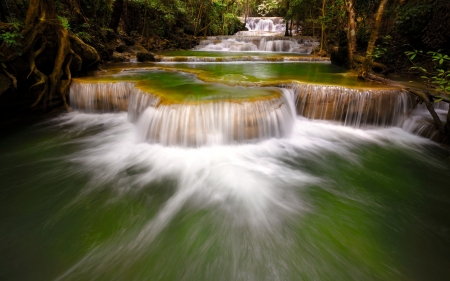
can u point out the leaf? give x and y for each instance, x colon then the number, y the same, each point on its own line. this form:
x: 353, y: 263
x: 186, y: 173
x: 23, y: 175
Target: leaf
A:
x: 438, y: 100
x: 412, y: 57
x: 441, y: 61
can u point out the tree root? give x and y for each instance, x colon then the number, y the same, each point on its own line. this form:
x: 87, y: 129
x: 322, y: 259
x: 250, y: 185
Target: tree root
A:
x: 41, y: 27
x: 372, y: 64
x: 11, y: 77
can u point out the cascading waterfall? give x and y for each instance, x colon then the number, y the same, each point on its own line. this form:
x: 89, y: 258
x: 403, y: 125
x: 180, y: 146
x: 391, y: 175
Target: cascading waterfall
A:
x: 272, y: 24
x: 300, y: 45
x: 240, y: 58
x: 190, y: 124
x: 421, y: 123
x: 222, y: 122
x: 353, y: 107
x: 100, y: 97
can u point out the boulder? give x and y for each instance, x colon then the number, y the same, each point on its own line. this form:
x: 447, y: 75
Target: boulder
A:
x: 119, y: 57
x: 145, y: 56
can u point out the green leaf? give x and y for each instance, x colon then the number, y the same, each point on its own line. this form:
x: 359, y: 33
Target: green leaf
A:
x: 441, y: 61
x: 438, y: 100
x: 412, y: 57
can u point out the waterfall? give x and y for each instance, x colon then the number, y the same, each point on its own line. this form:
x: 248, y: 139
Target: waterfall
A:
x: 263, y: 26
x: 301, y: 45
x: 189, y: 123
x: 100, y: 97
x: 217, y: 122
x: 353, y: 107
x: 238, y: 58
x: 421, y: 123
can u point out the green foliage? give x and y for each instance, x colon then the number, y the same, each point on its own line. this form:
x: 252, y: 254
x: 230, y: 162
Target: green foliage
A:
x: 12, y: 36
x: 267, y: 6
x: 64, y: 22
x: 380, y: 50
x: 439, y: 75
x: 86, y: 37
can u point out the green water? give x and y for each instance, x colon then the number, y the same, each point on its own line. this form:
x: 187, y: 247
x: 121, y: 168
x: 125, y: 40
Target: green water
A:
x: 256, y: 73
x: 180, y: 86
x: 81, y: 200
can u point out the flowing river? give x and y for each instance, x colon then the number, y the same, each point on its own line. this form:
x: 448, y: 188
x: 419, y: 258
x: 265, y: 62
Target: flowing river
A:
x: 197, y: 169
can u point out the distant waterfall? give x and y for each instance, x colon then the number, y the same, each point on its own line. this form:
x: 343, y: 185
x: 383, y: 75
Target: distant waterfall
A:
x: 300, y: 45
x: 353, y: 107
x: 272, y: 24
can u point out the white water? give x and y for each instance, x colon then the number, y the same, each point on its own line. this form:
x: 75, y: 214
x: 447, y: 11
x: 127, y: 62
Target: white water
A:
x: 100, y: 97
x: 300, y: 45
x: 222, y: 122
x: 353, y: 107
x: 252, y: 186
x: 265, y: 26
x: 421, y: 123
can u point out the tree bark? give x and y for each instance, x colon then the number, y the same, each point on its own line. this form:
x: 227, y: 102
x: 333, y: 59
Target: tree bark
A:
x: 322, y: 37
x: 116, y: 13
x: 286, y: 33
x: 351, y: 28
x: 373, y: 38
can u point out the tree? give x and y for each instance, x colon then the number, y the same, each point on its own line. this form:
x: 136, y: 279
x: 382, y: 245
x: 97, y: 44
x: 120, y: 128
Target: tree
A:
x: 368, y: 61
x: 351, y: 28
x: 116, y: 13
x: 64, y: 51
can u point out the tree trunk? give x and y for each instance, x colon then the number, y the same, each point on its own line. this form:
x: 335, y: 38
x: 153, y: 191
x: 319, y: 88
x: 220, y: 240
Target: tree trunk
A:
x: 322, y: 37
x: 116, y: 13
x: 76, y: 12
x: 351, y: 29
x: 373, y: 38
x: 286, y: 33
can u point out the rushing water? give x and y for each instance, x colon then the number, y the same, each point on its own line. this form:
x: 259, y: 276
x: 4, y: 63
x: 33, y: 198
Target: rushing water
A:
x: 83, y: 199
x: 170, y: 171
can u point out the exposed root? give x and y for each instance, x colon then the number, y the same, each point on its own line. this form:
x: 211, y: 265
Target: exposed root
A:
x: 32, y: 58
x: 368, y: 64
x: 64, y: 86
x: 11, y: 77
